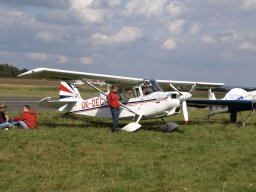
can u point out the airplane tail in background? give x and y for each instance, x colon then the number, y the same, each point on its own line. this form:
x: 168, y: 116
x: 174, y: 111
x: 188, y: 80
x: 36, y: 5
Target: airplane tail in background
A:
x: 68, y: 92
x: 215, y: 109
x: 211, y: 96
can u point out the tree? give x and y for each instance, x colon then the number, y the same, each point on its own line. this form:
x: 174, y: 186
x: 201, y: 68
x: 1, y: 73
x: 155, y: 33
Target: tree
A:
x: 7, y: 70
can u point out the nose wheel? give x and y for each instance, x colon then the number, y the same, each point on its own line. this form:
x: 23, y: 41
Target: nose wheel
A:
x: 169, y: 126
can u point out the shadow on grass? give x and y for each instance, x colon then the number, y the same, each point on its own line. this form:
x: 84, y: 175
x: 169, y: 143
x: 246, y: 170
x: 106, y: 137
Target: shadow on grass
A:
x: 70, y: 120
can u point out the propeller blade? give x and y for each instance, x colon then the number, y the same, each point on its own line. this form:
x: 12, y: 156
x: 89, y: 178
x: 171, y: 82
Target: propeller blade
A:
x: 193, y: 88
x: 185, y: 111
x: 174, y: 88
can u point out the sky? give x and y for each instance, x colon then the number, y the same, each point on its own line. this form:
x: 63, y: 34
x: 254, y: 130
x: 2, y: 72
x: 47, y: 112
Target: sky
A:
x: 192, y: 40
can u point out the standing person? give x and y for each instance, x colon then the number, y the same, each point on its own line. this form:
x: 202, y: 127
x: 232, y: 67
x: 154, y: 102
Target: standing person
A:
x: 4, y: 119
x: 113, y: 101
x: 27, y: 120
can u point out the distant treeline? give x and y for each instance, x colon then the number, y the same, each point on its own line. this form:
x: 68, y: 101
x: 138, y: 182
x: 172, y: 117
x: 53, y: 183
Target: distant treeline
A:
x: 7, y: 70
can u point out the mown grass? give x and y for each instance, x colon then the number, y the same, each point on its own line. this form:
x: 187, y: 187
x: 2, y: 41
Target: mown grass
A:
x: 74, y: 153
x: 78, y: 153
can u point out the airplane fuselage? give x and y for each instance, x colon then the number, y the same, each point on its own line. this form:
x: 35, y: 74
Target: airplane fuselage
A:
x: 157, y: 104
x: 250, y: 96
x: 246, y: 96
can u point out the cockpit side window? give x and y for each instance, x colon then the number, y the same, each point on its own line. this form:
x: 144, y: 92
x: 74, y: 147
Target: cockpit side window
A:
x: 130, y: 93
x: 174, y: 96
x: 121, y: 97
x: 136, y: 92
x: 149, y: 87
x: 147, y: 90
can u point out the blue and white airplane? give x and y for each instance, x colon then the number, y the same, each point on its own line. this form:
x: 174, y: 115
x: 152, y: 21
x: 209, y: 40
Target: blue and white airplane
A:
x: 236, y: 100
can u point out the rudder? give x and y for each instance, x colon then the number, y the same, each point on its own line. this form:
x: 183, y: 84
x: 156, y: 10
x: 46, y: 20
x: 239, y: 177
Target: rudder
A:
x: 68, y: 91
x: 211, y: 95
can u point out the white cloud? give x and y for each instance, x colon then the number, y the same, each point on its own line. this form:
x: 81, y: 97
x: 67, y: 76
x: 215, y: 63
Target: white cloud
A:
x: 37, y: 56
x: 87, y: 10
x: 125, y: 35
x: 15, y: 14
x: 208, y: 40
x: 230, y: 36
x: 45, y: 36
x: 113, y: 3
x: 174, y: 8
x: 7, y: 54
x: 249, y: 4
x: 194, y: 29
x: 170, y: 44
x: 247, y: 46
x: 11, y: 17
x: 177, y: 26
x: 62, y: 59
x: 80, y: 4
x: 147, y: 8
x: 85, y: 60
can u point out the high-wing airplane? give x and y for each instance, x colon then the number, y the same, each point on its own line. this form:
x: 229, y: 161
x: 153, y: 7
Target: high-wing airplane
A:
x: 139, y: 98
x: 236, y: 100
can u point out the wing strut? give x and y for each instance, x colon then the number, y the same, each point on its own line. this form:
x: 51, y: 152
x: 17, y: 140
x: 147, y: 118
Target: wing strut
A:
x: 248, y: 117
x: 131, y: 126
x: 122, y: 105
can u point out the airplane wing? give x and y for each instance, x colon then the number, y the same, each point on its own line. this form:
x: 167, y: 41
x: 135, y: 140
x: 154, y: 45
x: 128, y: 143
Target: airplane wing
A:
x: 188, y: 84
x: 236, y: 105
x: 48, y: 73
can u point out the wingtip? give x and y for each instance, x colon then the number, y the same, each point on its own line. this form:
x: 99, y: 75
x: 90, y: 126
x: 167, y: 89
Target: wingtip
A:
x: 25, y: 73
x: 30, y: 72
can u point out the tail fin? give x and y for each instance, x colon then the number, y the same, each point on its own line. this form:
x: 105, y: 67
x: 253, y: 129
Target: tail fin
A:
x: 211, y: 96
x: 68, y: 92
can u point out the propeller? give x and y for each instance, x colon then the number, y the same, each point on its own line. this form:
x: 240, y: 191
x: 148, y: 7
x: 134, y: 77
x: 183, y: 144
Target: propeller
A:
x: 183, y: 97
x: 174, y: 88
x: 192, y: 88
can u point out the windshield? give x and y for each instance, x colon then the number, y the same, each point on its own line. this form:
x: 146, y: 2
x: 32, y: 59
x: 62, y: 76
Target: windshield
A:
x: 156, y: 87
x: 151, y: 86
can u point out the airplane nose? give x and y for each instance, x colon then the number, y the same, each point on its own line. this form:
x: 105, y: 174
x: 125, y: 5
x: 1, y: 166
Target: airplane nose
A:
x: 185, y: 96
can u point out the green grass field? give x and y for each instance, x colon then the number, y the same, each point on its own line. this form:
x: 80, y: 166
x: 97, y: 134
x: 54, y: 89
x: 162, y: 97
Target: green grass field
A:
x: 78, y: 153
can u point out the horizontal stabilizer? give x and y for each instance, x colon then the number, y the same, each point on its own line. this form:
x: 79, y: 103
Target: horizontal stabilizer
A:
x: 55, y: 104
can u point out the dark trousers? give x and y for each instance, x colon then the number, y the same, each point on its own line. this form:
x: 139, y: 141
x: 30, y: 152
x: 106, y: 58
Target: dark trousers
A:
x: 115, y: 116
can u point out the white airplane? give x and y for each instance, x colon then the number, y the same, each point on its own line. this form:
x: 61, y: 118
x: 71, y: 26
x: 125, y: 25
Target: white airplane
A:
x: 236, y: 100
x: 135, y: 103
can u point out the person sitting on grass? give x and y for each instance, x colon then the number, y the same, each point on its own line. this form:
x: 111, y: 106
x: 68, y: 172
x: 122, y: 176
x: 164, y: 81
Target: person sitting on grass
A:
x: 28, y: 120
x: 4, y: 119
